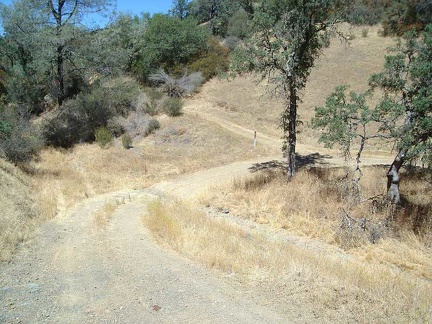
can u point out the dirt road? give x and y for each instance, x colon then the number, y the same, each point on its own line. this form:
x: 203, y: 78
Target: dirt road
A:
x: 75, y: 271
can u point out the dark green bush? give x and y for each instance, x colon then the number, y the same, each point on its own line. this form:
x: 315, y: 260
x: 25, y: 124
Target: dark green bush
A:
x: 78, y: 118
x: 364, y: 13
x: 173, y: 106
x: 238, y: 24
x: 153, y: 125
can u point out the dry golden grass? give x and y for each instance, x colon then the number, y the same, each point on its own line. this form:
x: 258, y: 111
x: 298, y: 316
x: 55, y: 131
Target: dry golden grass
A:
x: 368, y: 290
x: 317, y: 204
x: 249, y: 104
x: 64, y: 177
x: 18, y: 216
x: 104, y: 216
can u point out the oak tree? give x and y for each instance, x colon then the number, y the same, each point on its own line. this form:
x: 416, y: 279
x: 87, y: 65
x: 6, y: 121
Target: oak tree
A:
x: 286, y: 38
x: 404, y: 113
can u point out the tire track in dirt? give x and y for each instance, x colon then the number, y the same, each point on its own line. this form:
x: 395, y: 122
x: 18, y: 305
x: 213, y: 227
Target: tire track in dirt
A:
x: 74, y: 272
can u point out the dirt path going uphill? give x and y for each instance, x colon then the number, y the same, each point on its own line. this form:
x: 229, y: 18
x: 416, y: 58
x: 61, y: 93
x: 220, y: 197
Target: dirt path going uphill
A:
x: 77, y: 272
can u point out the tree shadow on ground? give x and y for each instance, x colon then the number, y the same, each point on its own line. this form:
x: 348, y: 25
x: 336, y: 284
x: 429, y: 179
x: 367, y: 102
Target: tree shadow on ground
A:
x: 314, y: 159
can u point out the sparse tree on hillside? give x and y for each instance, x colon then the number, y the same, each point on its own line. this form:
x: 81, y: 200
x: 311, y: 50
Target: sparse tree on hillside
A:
x: 404, y: 113
x: 287, y: 37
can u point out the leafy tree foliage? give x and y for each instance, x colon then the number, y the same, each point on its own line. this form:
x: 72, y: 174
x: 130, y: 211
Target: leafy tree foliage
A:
x: 404, y: 15
x: 238, y: 24
x: 169, y: 42
x: 46, y: 45
x: 367, y: 12
x: 404, y: 113
x: 287, y: 38
x: 20, y: 140
x: 180, y: 9
x: 218, y: 12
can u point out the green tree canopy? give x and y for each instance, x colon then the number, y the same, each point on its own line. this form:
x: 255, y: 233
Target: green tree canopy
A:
x: 45, y: 43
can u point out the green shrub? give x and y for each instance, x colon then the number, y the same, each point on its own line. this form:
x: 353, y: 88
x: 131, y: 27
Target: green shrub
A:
x: 365, y: 32
x: 231, y: 42
x: 151, y: 108
x: 78, y: 118
x: 238, y: 24
x: 127, y: 141
x: 154, y: 94
x: 153, y: 125
x: 103, y: 137
x: 173, y: 106
x: 366, y: 13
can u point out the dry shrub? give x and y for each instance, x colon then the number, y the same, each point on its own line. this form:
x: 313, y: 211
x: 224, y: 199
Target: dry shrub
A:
x: 267, y: 197
x: 177, y: 87
x: 139, y: 124
x: 319, y: 203
x: 18, y: 216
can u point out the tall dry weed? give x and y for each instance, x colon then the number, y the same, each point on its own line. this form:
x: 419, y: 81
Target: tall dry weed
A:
x: 326, y: 277
x: 19, y: 216
x: 320, y: 203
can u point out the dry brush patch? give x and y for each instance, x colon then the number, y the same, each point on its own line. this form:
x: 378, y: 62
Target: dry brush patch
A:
x: 104, y: 215
x: 19, y: 216
x: 335, y: 283
x: 318, y: 204
x: 62, y: 178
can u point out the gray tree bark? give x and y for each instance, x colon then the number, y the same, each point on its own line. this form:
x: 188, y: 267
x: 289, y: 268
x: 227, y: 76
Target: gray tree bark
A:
x: 393, y: 178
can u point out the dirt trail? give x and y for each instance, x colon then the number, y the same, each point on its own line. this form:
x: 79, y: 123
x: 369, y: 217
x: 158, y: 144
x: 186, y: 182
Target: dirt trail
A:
x: 75, y: 271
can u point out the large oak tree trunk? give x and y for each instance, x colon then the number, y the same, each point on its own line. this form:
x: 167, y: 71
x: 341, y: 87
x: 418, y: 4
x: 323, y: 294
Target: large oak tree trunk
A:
x: 393, y: 178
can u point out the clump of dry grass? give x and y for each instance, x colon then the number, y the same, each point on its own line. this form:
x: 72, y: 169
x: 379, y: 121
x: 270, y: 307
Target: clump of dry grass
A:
x: 18, y: 216
x: 61, y: 178
x: 367, y: 290
x: 321, y: 203
x: 269, y: 198
x: 104, y: 215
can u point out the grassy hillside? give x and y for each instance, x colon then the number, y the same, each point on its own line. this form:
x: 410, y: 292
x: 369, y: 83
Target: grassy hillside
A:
x: 18, y: 217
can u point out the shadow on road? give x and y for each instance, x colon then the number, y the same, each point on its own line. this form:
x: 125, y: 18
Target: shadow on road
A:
x: 314, y: 159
